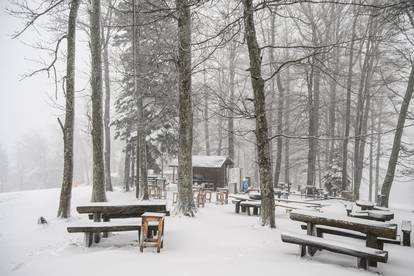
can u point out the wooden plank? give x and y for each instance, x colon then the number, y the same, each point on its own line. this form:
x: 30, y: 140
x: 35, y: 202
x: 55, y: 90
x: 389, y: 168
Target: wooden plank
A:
x: 102, y: 227
x: 335, y: 246
x: 379, y: 229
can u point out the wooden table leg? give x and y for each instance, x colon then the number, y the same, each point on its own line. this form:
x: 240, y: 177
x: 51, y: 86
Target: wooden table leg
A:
x: 311, y: 231
x: 372, y: 241
x: 105, y: 234
x: 97, y: 235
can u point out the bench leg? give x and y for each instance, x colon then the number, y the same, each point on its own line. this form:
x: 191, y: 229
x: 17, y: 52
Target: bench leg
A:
x: 372, y: 241
x: 105, y: 234
x: 237, y: 207
x: 248, y: 211
x: 255, y: 211
x: 362, y: 263
x: 311, y: 232
x: 88, y: 239
x: 97, y: 235
x: 243, y: 209
x: 406, y: 238
x: 302, y: 250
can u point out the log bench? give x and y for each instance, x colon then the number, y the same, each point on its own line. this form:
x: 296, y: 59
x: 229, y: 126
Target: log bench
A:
x: 406, y: 229
x: 255, y: 205
x: 90, y: 228
x: 321, y: 229
x: 363, y: 254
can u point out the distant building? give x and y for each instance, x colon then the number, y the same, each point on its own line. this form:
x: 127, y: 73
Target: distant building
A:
x: 208, y: 170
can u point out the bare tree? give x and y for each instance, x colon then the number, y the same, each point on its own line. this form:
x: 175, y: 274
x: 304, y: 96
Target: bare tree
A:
x: 66, y: 190
x: 185, y: 203
x: 98, y: 188
x: 262, y: 138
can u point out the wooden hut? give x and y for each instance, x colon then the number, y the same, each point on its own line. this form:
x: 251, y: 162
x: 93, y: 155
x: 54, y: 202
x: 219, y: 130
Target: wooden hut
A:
x: 208, y: 170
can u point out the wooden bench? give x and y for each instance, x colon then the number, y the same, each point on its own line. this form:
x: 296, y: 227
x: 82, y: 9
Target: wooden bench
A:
x: 364, y: 254
x: 255, y: 205
x: 97, y: 227
x: 406, y: 229
x: 321, y: 229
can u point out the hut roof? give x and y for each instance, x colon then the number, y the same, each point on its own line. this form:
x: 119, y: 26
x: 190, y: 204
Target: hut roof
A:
x: 206, y: 161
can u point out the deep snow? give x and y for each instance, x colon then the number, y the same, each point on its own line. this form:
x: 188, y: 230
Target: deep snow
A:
x: 216, y: 242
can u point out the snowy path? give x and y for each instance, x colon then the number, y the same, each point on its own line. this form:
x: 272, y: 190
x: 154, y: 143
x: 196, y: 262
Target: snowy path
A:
x: 216, y: 242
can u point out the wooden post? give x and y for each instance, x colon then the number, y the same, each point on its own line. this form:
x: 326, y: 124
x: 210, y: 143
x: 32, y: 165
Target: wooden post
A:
x: 372, y: 241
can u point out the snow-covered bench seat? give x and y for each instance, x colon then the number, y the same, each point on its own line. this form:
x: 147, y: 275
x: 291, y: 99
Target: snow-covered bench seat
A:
x: 406, y: 229
x: 363, y: 254
x: 89, y: 228
x: 322, y: 229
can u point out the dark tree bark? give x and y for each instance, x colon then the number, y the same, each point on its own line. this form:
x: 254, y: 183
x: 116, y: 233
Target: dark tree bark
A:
x: 396, y: 145
x: 185, y: 203
x: 98, y: 189
x: 66, y: 190
x: 262, y: 139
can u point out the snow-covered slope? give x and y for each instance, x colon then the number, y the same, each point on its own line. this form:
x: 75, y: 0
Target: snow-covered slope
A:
x: 216, y: 242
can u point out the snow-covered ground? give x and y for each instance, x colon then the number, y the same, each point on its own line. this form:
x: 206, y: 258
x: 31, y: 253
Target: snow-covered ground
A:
x: 216, y: 242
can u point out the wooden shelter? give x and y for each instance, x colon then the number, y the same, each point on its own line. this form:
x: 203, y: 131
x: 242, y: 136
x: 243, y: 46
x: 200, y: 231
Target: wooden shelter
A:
x: 209, y: 170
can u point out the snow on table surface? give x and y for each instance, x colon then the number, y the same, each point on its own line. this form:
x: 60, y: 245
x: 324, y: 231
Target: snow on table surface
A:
x: 215, y: 242
x: 123, y: 203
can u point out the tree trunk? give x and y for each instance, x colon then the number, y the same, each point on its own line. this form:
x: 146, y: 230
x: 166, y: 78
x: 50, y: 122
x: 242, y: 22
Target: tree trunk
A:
x: 371, y: 157
x: 287, y: 128
x: 66, y: 190
x: 133, y: 158
x: 396, y: 145
x: 206, y: 119
x: 262, y: 139
x: 348, y: 109
x: 127, y: 164
x: 107, y: 129
x: 232, y: 72
x: 378, y: 153
x: 278, y: 162
x: 139, y: 94
x: 98, y: 189
x: 185, y: 203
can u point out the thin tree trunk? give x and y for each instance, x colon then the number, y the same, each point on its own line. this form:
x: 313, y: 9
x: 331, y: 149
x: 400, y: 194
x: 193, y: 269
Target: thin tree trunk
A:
x: 262, y: 139
x: 278, y: 162
x: 287, y: 128
x: 127, y: 164
x: 185, y: 203
x: 348, y: 108
x: 133, y: 158
x: 232, y: 72
x: 371, y: 157
x: 396, y: 145
x: 206, y: 119
x: 66, y: 190
x: 98, y: 189
x: 378, y: 153
x: 107, y: 129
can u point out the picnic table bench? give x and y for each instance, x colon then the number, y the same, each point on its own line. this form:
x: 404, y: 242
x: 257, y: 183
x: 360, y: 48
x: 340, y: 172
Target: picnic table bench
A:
x: 373, y: 215
x: 372, y: 229
x: 322, y: 229
x: 255, y: 205
x: 90, y: 228
x: 363, y: 254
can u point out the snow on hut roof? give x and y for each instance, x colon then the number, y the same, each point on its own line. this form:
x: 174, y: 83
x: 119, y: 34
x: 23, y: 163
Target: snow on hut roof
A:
x: 206, y: 161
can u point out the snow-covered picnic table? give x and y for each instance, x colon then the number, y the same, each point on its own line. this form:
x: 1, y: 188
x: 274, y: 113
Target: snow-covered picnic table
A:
x: 109, y: 210
x: 372, y: 229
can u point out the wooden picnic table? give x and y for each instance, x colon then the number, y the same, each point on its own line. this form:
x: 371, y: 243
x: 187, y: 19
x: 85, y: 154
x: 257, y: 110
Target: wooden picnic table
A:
x: 365, y: 204
x: 373, y: 215
x: 372, y: 229
x: 108, y: 210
